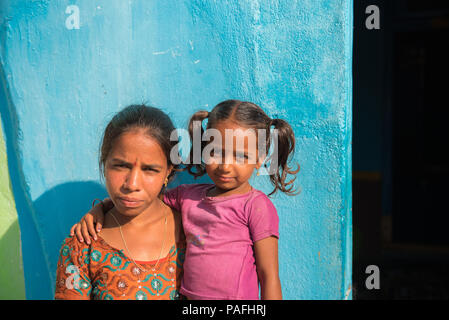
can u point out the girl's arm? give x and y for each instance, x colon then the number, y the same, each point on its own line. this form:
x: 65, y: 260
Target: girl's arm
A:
x: 266, y: 254
x: 72, y: 280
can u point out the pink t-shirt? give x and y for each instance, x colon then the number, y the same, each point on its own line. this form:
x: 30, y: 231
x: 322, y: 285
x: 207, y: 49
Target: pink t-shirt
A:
x: 220, y: 234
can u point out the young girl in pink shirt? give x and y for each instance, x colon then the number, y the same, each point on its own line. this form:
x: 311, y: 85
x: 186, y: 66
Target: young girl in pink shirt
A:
x: 231, y: 228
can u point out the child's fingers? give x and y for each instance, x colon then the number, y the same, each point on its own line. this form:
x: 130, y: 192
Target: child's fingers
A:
x: 72, y: 230
x: 90, y: 227
x: 99, y: 220
x: 99, y: 225
x: 78, y: 232
x: 84, y: 231
x: 96, y: 215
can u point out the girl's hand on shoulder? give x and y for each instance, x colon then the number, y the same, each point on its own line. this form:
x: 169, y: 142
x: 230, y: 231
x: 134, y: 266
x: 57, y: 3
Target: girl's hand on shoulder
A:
x: 95, y: 217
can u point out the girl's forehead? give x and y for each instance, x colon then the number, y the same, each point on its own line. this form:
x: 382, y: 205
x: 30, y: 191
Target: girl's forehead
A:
x: 137, y: 145
x: 234, y: 142
x: 136, y: 138
x: 231, y: 128
x: 230, y: 123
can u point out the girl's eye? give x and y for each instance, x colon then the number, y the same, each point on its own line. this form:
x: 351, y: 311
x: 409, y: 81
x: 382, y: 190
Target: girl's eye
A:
x: 150, y: 170
x: 215, y: 153
x: 120, y: 166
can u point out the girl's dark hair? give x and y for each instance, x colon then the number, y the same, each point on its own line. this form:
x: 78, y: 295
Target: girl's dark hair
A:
x: 153, y: 121
x: 251, y: 116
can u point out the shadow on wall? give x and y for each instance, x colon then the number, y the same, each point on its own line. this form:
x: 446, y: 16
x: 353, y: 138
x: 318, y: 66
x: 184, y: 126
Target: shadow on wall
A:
x: 45, y: 222
x: 34, y: 264
x: 56, y: 211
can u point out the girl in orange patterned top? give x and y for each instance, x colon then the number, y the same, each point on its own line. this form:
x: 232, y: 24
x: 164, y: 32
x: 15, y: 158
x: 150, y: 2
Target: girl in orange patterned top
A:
x: 139, y: 253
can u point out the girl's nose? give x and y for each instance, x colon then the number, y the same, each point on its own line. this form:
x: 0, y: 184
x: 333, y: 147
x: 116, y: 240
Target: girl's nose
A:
x: 228, y: 160
x: 224, y: 166
x: 132, y: 182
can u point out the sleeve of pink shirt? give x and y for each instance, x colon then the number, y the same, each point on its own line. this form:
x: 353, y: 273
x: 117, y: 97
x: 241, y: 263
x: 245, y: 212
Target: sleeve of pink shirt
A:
x: 173, y: 197
x: 263, y: 219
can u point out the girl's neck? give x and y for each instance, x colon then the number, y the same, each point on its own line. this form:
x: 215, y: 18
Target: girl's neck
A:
x: 218, y: 192
x: 152, y: 214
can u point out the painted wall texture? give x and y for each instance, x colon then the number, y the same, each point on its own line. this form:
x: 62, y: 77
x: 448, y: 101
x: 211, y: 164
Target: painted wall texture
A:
x: 60, y: 86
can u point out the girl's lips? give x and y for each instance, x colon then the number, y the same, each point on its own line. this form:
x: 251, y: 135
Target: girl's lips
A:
x: 129, y: 203
x: 225, y: 179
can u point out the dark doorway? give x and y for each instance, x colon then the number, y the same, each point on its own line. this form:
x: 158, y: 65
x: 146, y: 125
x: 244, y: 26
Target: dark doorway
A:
x: 420, y: 136
x: 400, y: 136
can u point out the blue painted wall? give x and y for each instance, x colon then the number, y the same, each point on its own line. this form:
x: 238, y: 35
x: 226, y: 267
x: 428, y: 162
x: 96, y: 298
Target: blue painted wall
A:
x: 60, y: 86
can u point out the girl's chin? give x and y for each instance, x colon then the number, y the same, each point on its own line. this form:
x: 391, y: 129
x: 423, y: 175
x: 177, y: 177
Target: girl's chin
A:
x: 227, y: 187
x: 224, y: 185
x: 127, y: 208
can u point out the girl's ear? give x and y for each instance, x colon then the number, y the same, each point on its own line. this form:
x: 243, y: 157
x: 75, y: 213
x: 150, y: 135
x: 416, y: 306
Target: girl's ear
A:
x: 169, y: 170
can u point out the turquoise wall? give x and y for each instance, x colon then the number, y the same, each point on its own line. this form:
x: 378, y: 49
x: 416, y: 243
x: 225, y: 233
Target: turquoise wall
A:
x: 60, y: 86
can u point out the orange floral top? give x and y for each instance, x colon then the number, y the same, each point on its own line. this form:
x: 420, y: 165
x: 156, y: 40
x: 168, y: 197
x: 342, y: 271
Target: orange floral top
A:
x: 101, y: 272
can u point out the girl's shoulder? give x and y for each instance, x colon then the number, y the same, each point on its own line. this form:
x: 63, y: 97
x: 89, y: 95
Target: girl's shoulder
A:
x: 259, y: 201
x: 75, y: 253
x: 257, y: 195
x: 72, y: 247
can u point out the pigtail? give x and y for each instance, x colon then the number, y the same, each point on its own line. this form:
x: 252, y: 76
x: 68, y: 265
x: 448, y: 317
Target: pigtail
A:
x: 286, y: 147
x: 194, y: 162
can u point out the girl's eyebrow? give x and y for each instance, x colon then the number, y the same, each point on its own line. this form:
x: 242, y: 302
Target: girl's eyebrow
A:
x: 153, y: 166
x: 143, y: 164
x: 120, y: 160
x: 235, y: 152
x: 245, y: 151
